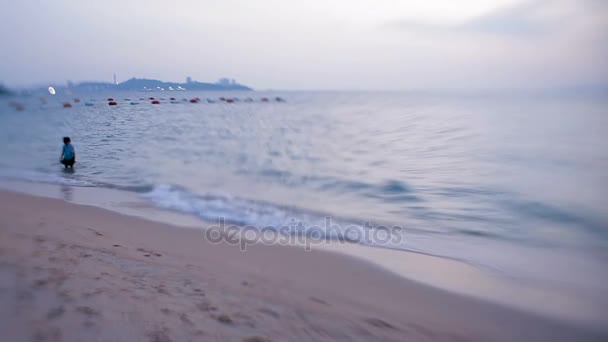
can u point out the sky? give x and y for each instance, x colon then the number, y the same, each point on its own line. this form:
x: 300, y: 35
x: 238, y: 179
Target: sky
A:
x: 308, y: 45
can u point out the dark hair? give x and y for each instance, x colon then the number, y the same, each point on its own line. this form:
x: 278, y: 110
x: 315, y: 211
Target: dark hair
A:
x: 66, y: 140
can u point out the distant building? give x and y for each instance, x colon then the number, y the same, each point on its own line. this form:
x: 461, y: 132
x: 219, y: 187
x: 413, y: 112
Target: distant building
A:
x: 188, y: 80
x: 226, y: 82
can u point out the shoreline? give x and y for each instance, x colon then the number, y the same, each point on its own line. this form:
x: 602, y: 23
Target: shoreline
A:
x: 77, y: 271
x: 52, y: 249
x: 454, y: 276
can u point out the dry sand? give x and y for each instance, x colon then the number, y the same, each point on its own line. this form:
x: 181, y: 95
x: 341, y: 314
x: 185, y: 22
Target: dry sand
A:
x: 80, y: 273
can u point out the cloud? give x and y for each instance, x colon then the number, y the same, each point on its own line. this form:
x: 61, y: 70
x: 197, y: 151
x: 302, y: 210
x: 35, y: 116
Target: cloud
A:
x: 526, y: 20
x: 523, y: 20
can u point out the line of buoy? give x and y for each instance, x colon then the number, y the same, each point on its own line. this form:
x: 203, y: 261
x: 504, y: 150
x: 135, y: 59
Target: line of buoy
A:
x: 173, y: 100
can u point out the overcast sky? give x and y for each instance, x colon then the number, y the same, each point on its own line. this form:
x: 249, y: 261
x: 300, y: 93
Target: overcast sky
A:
x: 312, y: 44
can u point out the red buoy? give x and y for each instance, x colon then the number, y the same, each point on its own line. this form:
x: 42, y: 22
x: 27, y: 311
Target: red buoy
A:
x: 155, y: 102
x: 193, y: 101
x: 112, y: 103
x: 67, y: 105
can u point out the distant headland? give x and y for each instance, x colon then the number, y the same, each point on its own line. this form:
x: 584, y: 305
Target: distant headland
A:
x: 3, y: 90
x: 143, y: 84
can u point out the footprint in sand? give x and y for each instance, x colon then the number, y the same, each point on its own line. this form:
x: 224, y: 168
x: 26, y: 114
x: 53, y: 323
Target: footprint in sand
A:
x: 256, y: 339
x: 378, y: 323
x: 159, y: 335
x: 48, y: 334
x: 55, y: 313
x: 320, y: 301
x: 225, y: 319
x: 184, y: 318
x: 206, y: 307
x: 96, y: 232
x: 88, y: 311
x: 149, y: 252
x: 269, y: 312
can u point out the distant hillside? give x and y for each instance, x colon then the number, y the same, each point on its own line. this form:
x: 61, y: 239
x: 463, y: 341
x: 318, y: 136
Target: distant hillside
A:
x: 142, y: 84
x: 4, y: 90
x: 147, y: 84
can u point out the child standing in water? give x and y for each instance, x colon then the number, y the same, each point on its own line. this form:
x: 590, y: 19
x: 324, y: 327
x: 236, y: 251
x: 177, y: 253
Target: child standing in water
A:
x: 68, y: 155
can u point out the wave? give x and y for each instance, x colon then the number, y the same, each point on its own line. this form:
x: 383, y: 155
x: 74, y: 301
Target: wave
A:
x: 264, y: 216
x: 47, y: 178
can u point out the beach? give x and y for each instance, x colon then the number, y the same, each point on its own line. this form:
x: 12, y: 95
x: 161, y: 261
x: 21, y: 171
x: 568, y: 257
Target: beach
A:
x: 72, y: 272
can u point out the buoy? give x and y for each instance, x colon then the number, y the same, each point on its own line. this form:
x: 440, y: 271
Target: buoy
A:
x: 155, y: 102
x: 151, y: 98
x: 279, y: 99
x: 172, y: 99
x: 112, y: 103
x: 229, y: 101
x: 222, y: 98
x: 89, y: 104
x: 134, y: 103
x: 110, y: 99
x: 264, y: 99
x: 76, y: 100
x: 67, y: 105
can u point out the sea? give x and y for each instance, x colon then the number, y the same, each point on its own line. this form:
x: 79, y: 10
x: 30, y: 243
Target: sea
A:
x: 512, y: 182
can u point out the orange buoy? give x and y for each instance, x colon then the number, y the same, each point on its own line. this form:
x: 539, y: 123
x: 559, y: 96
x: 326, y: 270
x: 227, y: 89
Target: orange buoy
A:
x: 112, y: 103
x: 67, y: 105
x: 155, y: 102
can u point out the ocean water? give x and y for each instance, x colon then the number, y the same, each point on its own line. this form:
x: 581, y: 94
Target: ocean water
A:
x: 516, y: 183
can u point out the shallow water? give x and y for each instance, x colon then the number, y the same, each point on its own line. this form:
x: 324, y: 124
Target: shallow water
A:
x: 509, y: 182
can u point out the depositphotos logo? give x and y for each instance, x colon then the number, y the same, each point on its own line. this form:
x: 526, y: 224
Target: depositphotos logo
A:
x: 298, y: 232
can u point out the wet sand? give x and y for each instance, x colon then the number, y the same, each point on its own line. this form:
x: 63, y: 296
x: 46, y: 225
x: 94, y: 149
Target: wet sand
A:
x: 74, y: 273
